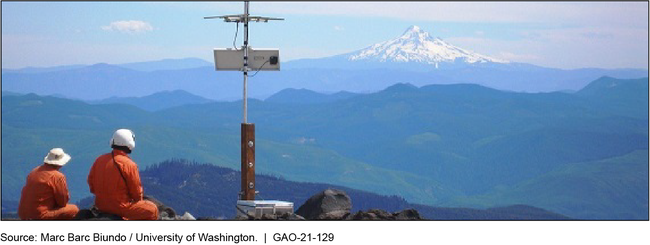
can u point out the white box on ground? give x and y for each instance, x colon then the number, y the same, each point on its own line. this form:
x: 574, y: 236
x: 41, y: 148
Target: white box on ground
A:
x: 265, y: 59
x: 257, y: 208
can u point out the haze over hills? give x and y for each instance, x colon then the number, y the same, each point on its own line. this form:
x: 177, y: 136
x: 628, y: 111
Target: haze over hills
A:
x: 623, y: 179
x: 157, y: 101
x: 304, y: 96
x: 147, y: 66
x: 459, y: 145
x: 414, y: 57
x: 42, y: 69
x: 167, y: 64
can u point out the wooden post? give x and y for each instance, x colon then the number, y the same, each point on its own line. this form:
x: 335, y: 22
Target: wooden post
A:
x: 247, y: 161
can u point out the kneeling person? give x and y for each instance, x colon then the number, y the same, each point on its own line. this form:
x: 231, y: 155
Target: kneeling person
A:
x: 45, y: 194
x: 115, y: 181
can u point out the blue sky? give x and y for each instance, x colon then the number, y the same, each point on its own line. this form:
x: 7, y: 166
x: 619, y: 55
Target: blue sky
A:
x: 560, y: 35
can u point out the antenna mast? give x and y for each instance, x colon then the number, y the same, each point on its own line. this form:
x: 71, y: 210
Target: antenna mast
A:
x: 245, y: 62
x: 247, y: 129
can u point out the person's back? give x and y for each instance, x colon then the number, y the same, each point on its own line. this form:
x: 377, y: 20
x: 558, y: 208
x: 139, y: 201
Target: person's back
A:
x: 106, y: 182
x: 45, y: 195
x: 115, y: 181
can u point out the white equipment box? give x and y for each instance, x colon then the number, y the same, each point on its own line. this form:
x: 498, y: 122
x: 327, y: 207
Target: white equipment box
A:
x: 265, y: 59
x: 257, y: 208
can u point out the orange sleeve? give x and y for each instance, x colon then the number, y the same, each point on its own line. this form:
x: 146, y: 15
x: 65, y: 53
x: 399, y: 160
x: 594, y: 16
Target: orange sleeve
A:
x: 91, y: 177
x: 133, y: 178
x: 61, y: 194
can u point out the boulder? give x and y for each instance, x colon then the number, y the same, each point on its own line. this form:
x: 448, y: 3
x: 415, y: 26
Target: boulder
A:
x: 186, y: 216
x: 94, y: 214
x: 407, y: 214
x: 372, y: 214
x: 269, y: 217
x: 290, y: 216
x: 164, y: 212
x: 84, y: 214
x: 284, y: 216
x: 378, y: 214
x: 329, y: 204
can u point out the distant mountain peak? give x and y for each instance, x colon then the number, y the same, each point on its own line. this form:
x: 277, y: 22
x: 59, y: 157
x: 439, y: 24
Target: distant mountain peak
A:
x: 414, y: 30
x: 401, y: 87
x: 103, y: 67
x: 100, y: 65
x: 306, y: 96
x: 417, y: 45
x: 167, y: 64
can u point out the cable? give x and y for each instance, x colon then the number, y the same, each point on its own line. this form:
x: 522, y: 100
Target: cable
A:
x: 257, y: 193
x: 234, y: 40
x: 250, y: 217
x: 258, y: 70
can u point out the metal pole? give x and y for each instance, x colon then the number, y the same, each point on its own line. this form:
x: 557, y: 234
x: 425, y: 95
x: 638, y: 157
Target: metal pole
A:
x: 245, y: 62
x: 247, y: 130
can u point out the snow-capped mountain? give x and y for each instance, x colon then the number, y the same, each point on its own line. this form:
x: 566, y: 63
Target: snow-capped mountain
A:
x: 416, y: 45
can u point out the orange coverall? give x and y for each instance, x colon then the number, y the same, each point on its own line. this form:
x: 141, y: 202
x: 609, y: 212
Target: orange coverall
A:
x: 45, y: 195
x: 117, y: 195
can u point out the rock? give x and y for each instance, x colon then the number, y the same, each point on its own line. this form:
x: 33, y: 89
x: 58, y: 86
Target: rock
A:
x: 364, y: 216
x: 327, y: 205
x: 290, y: 216
x: 407, y: 214
x: 269, y: 217
x: 212, y: 219
x: 244, y: 217
x: 378, y: 214
x: 94, y: 214
x: 164, y: 212
x: 106, y: 216
x: 84, y: 214
x: 186, y: 216
x: 382, y: 214
x: 338, y: 215
x: 284, y: 216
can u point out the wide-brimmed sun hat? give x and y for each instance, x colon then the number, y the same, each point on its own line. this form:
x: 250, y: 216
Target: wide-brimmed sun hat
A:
x: 57, y: 157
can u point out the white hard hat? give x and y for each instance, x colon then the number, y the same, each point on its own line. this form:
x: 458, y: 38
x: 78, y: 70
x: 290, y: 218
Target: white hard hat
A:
x: 57, y: 157
x: 123, y: 137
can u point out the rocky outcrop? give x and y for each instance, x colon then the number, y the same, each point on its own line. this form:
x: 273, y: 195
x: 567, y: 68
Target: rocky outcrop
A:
x: 164, y: 213
x: 336, y: 205
x: 94, y: 214
x: 407, y: 214
x: 329, y: 204
x: 285, y: 216
x: 167, y: 213
x: 378, y: 214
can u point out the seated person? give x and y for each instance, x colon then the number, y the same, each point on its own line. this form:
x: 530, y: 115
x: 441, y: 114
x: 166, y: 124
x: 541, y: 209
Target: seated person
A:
x: 45, y: 194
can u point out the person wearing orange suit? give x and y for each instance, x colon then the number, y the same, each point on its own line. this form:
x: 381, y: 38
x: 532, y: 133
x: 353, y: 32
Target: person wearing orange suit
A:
x: 115, y: 181
x: 45, y: 195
